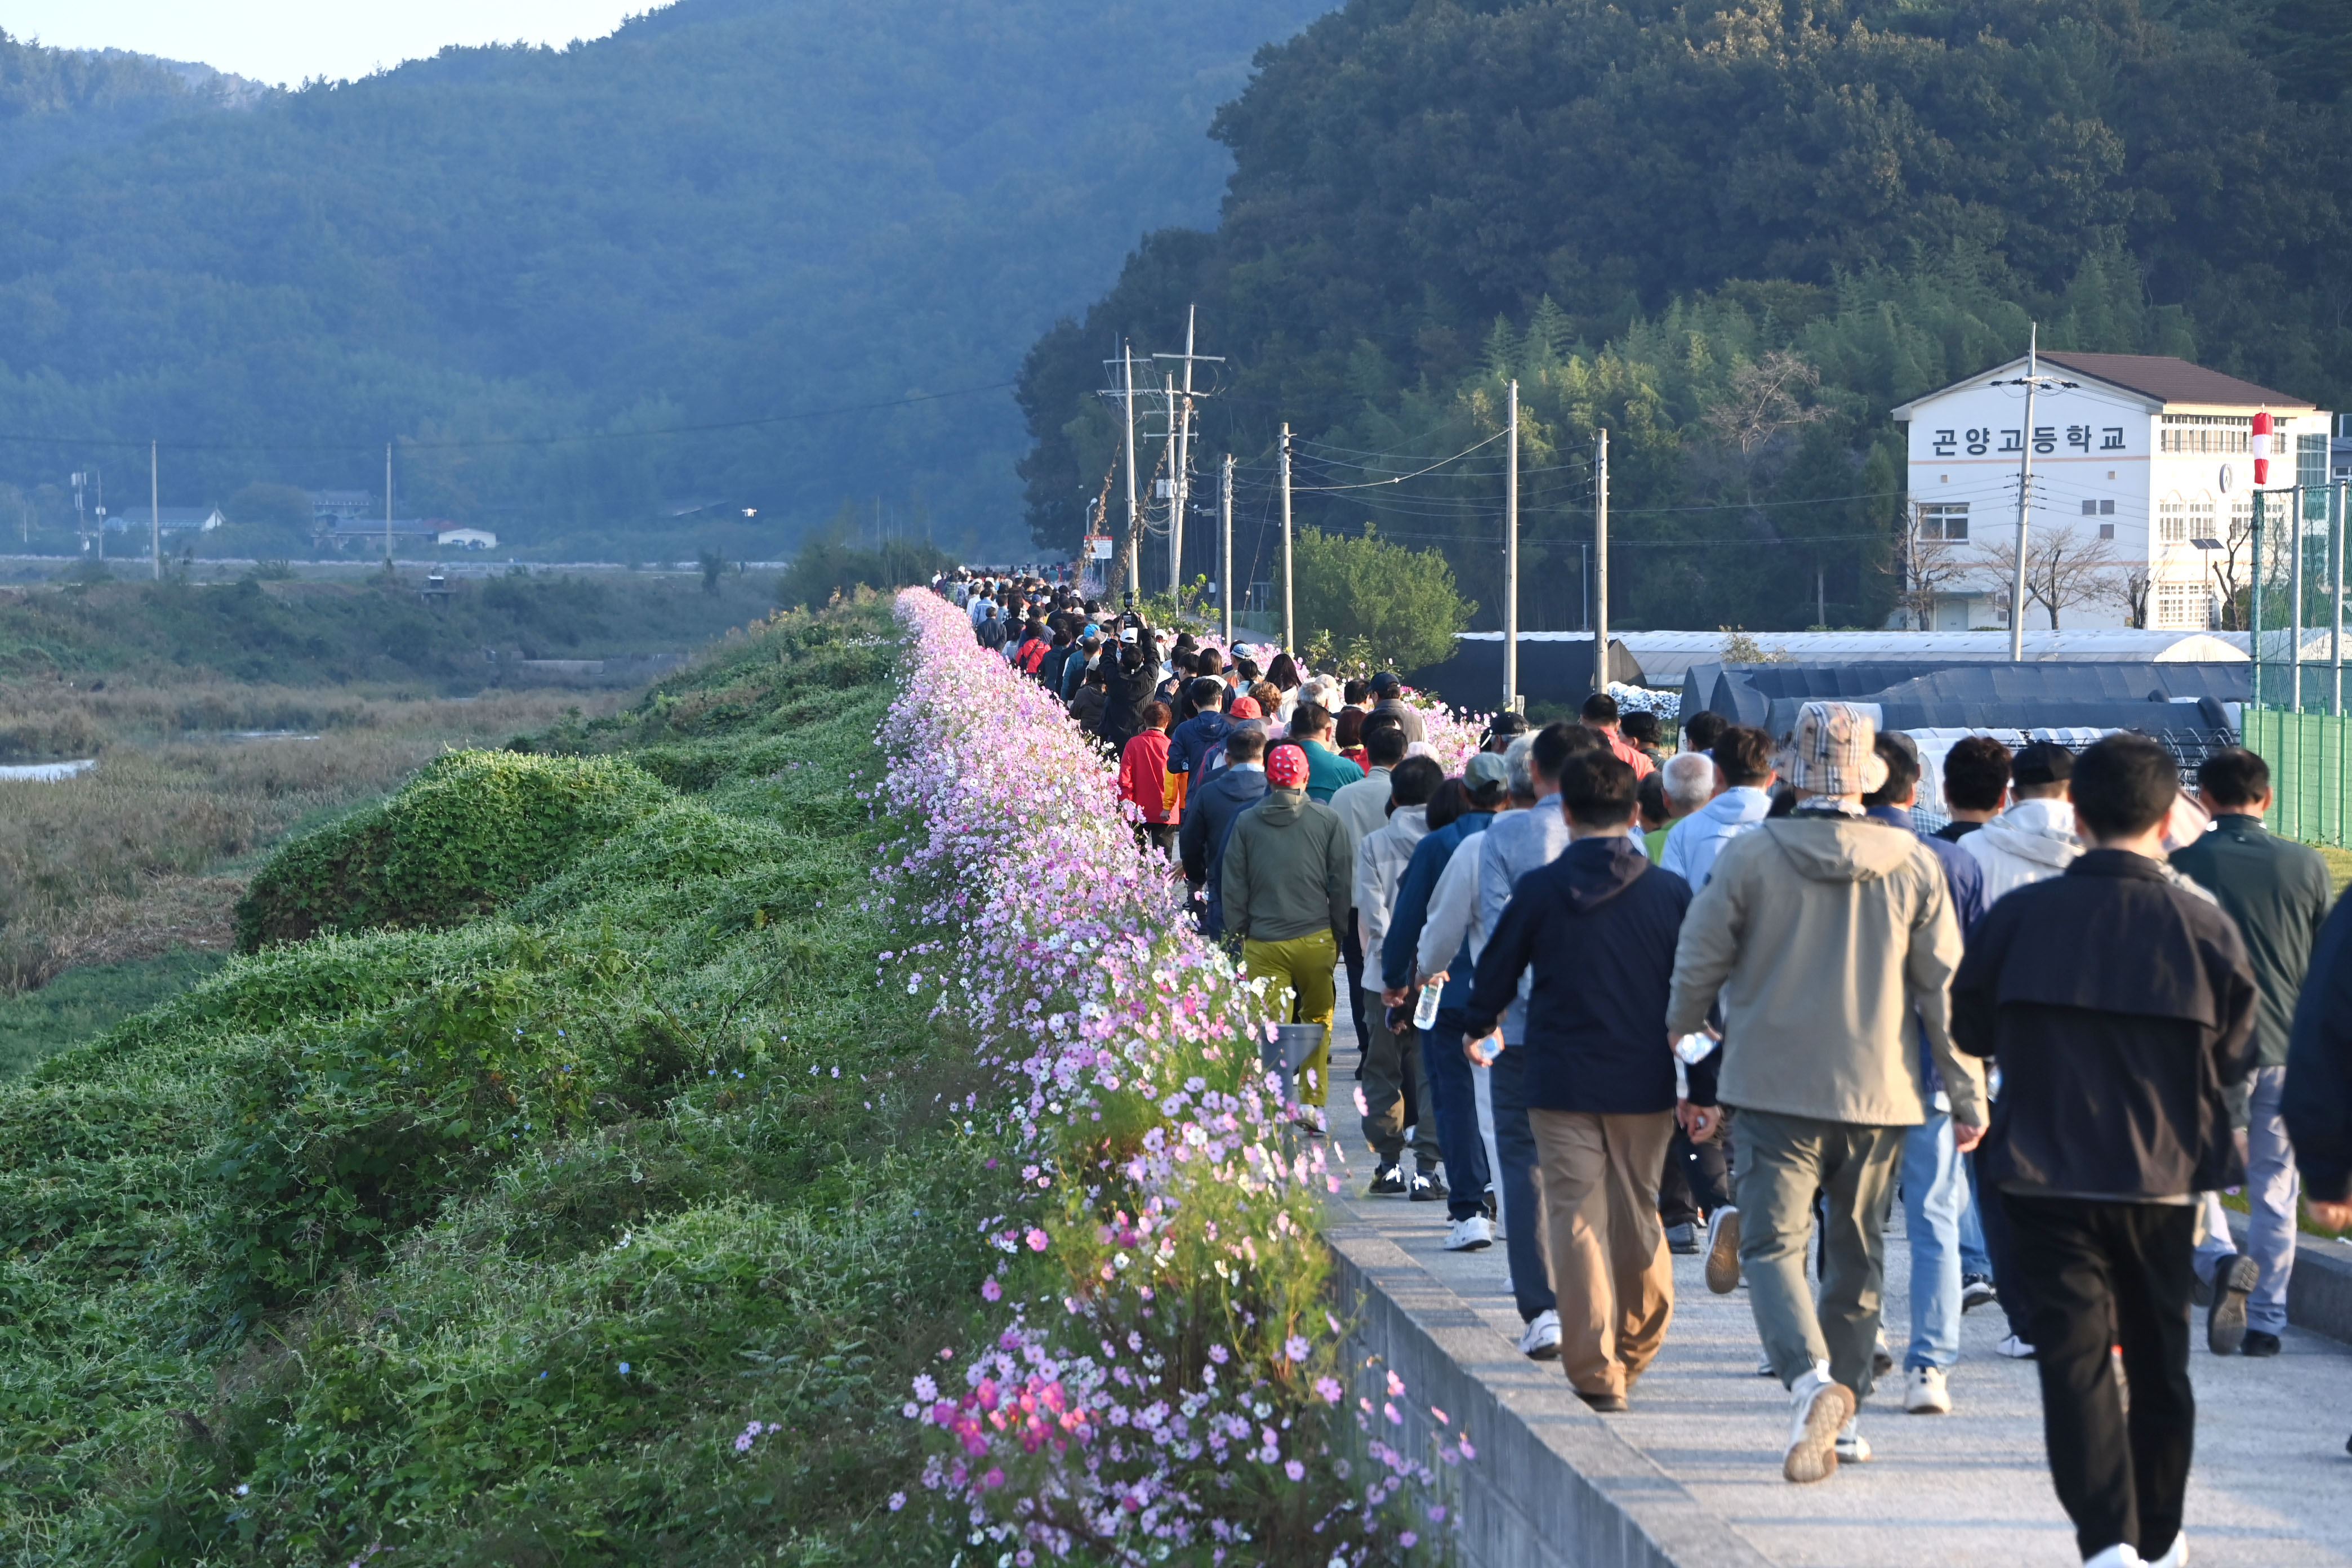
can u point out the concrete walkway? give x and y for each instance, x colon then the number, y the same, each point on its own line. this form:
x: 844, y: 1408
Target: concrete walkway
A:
x: 2271, y: 1486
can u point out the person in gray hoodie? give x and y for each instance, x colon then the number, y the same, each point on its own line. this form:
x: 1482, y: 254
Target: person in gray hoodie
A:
x: 2033, y: 839
x: 1745, y: 757
x: 1394, y: 1057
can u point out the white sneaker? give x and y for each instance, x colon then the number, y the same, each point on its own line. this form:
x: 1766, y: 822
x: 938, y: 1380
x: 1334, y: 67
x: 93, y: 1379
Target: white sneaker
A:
x: 1818, y: 1410
x: 1853, y: 1447
x: 2015, y: 1348
x: 2175, y: 1555
x: 1924, y: 1393
x: 2117, y: 1556
x: 1764, y: 1366
x: 1723, y: 1250
x: 1470, y: 1235
x: 1541, y: 1342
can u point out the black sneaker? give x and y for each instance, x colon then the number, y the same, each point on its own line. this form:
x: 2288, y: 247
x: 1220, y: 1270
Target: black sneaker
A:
x: 1488, y: 1206
x: 2259, y: 1343
x: 1976, y: 1290
x: 2234, y: 1278
x: 1427, y: 1188
x: 1388, y: 1182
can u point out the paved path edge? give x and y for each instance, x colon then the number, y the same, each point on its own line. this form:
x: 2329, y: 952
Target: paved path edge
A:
x: 2319, y: 1291
x: 1552, y: 1487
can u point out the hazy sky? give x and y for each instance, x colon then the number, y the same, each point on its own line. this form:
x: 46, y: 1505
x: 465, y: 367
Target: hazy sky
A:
x: 291, y: 40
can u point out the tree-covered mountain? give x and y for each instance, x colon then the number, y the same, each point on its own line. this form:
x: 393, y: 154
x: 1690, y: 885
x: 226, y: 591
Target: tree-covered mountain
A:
x: 1733, y: 233
x: 728, y: 210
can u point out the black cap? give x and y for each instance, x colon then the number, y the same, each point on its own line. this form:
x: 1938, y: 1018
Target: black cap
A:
x: 2043, y: 762
x: 1385, y: 681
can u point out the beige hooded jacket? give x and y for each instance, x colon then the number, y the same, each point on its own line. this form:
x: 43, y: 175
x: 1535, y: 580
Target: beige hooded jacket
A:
x: 1824, y: 934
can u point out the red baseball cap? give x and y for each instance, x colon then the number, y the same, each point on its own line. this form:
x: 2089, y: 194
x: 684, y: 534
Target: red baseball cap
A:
x: 1286, y: 767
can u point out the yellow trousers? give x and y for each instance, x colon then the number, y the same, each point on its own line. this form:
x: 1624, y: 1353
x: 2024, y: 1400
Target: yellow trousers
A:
x: 1303, y: 964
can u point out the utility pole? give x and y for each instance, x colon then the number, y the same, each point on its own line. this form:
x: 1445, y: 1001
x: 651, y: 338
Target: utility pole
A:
x: 1133, y: 542
x: 1225, y: 550
x: 2254, y: 605
x: 1290, y: 636
x: 2024, y: 501
x: 1180, y: 428
x: 1175, y: 496
x: 1600, y: 564
x: 387, y: 503
x: 155, y: 507
x: 1511, y: 554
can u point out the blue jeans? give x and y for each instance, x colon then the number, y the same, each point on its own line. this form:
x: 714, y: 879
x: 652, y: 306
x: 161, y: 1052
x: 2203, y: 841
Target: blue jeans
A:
x: 2272, y: 1185
x: 1976, y: 1258
x: 1934, y: 1195
x: 1455, y: 1111
x: 1523, y: 1219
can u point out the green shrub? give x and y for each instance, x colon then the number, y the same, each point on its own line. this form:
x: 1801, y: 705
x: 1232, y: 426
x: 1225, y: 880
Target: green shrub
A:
x: 471, y: 831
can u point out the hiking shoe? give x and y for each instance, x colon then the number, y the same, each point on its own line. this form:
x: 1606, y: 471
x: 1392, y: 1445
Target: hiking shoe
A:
x: 2234, y: 1278
x: 1818, y: 1410
x: 2015, y: 1348
x: 1470, y: 1235
x: 1426, y: 1188
x: 1723, y: 1251
x: 1541, y: 1342
x: 1683, y: 1240
x: 1882, y: 1360
x: 1924, y: 1393
x: 1976, y: 1290
x: 1387, y: 1183
x: 1602, y: 1403
x: 2175, y: 1556
x: 2260, y: 1343
x: 1853, y: 1447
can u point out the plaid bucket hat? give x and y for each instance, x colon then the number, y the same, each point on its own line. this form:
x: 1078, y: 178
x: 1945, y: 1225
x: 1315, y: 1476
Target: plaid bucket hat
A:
x: 1832, y: 750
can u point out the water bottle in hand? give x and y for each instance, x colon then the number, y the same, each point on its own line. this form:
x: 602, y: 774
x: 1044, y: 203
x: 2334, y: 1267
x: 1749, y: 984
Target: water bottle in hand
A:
x: 1432, y: 991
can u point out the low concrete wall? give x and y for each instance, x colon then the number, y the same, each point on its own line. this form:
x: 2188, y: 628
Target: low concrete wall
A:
x: 2319, y: 1293
x: 1552, y: 1487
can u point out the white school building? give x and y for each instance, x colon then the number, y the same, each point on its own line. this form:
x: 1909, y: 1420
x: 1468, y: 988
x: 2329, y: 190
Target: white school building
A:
x: 2144, y: 452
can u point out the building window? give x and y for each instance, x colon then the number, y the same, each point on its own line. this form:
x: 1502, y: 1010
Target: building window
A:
x: 2180, y: 604
x: 1944, y: 520
x: 2106, y: 531
x: 2171, y: 522
x: 2098, y: 508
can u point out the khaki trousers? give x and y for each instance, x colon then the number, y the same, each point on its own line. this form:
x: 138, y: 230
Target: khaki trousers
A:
x: 1784, y: 1162
x: 1303, y: 965
x: 1610, y: 1266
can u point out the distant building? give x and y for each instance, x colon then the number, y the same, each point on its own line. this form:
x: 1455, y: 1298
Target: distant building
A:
x: 451, y: 537
x: 439, y: 530
x: 2146, y: 452
x: 176, y: 520
x: 327, y: 504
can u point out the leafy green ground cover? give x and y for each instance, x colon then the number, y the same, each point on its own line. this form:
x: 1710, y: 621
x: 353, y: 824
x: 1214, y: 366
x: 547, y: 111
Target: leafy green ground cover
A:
x: 484, y: 1243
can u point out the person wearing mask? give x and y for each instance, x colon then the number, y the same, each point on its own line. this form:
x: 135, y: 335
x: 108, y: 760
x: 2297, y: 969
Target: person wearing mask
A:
x: 1286, y: 883
x: 2278, y: 893
x: 1222, y: 798
x: 1363, y: 806
x: 1826, y: 938
x: 2119, y: 1006
x: 1394, y: 1067
x: 2034, y: 838
x: 1934, y: 1182
x: 1143, y: 777
x: 1600, y: 714
x: 1387, y: 696
x: 1744, y: 758
x: 1082, y: 658
x: 1976, y: 781
x: 1326, y: 770
x: 1453, y: 1081
x: 1597, y: 927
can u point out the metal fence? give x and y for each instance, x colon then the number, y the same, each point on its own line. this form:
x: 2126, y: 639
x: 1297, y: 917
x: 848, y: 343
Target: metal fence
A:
x: 2307, y: 754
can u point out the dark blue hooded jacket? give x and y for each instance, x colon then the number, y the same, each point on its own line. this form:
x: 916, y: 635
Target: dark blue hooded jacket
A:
x: 1599, y: 924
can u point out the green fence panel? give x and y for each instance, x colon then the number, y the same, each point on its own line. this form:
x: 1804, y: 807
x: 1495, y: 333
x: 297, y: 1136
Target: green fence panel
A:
x: 2307, y: 752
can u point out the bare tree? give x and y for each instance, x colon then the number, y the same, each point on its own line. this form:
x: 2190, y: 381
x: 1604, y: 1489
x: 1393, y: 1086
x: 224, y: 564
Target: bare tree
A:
x: 2232, y: 562
x: 1930, y: 567
x: 2139, y: 583
x: 1764, y: 401
x: 2061, y: 570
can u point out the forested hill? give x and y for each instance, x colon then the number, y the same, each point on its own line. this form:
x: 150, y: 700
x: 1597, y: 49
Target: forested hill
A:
x: 1631, y: 205
x: 55, y: 102
x: 727, y: 210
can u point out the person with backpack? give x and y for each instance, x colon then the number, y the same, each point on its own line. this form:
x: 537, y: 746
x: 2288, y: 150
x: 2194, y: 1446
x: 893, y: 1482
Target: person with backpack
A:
x: 1209, y: 815
x: 1143, y: 779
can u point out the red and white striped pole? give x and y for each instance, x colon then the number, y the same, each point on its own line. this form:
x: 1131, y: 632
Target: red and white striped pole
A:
x: 2261, y: 447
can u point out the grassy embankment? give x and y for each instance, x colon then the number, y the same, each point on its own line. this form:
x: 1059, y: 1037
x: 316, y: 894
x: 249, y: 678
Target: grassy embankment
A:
x: 485, y: 1241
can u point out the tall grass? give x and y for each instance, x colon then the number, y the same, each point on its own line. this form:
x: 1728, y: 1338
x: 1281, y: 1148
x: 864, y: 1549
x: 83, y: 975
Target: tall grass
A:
x: 138, y: 856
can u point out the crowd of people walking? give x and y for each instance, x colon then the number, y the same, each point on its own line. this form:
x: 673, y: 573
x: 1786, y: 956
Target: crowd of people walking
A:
x: 1613, y: 1001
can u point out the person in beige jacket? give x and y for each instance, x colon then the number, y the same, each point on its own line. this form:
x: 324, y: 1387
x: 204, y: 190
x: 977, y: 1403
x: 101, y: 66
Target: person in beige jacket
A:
x: 1829, y: 939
